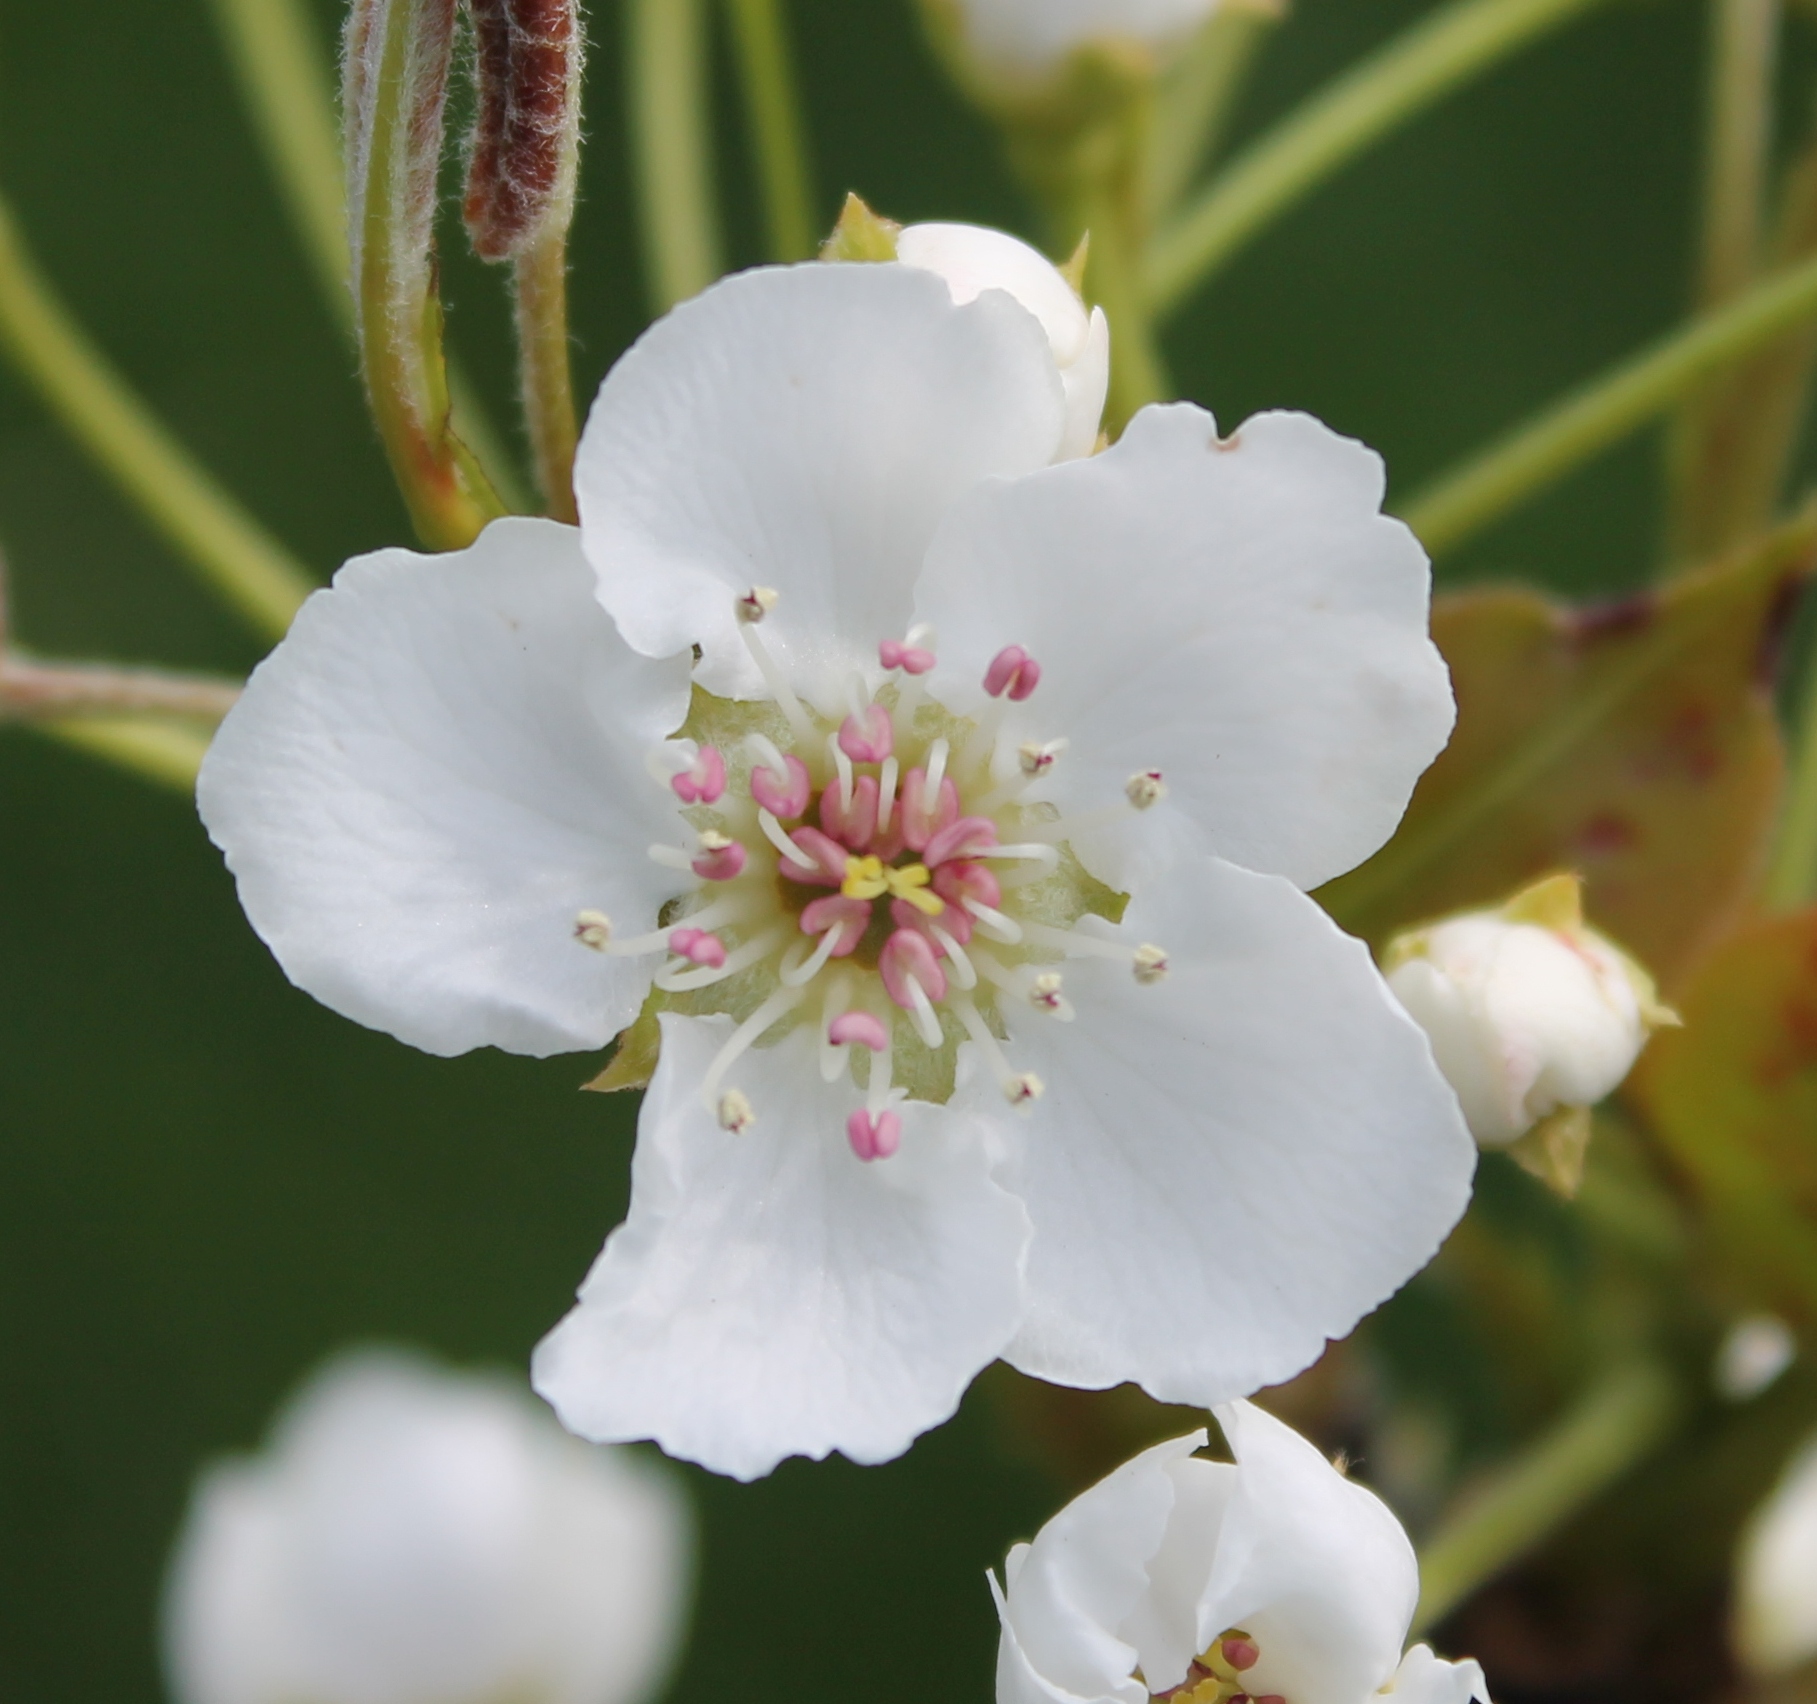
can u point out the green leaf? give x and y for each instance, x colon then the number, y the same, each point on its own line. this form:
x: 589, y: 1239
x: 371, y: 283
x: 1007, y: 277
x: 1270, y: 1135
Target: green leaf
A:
x: 1635, y: 743
x: 1732, y: 1097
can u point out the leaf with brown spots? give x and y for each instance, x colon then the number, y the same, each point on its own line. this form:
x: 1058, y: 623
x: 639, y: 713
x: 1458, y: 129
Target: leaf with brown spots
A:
x: 1732, y: 1098
x: 1635, y: 743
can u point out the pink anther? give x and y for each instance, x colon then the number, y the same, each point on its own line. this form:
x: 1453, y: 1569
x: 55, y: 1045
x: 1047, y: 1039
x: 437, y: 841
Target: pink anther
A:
x: 1240, y: 1653
x: 868, y: 738
x: 874, y: 1138
x: 858, y: 1029
x: 698, y: 947
x: 1013, y: 671
x: 922, y: 820
x: 957, y: 881
x: 965, y: 838
x: 851, y: 917
x: 851, y: 825
x: 720, y: 863
x: 703, y: 782
x: 783, y: 797
x: 822, y: 859
x: 958, y: 924
x: 908, y: 955
x: 911, y: 659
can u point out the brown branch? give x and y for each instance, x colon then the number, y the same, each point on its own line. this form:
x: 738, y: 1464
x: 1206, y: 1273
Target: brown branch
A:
x: 29, y: 690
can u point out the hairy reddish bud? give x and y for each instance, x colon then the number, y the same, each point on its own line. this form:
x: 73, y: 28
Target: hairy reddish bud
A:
x: 525, y: 141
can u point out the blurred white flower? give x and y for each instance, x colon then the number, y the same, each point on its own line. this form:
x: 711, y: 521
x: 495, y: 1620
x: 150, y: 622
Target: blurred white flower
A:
x: 1753, y: 1353
x: 1024, y: 38
x: 973, y: 259
x: 1275, y: 1580
x: 414, y: 1536
x: 1776, y: 1574
x: 1530, y: 1012
x: 994, y: 1018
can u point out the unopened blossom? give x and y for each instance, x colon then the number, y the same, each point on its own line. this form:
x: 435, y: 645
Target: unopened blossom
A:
x: 1531, y: 1012
x: 414, y: 1536
x: 1775, y: 1627
x: 944, y: 809
x: 1275, y: 1580
x: 1020, y: 39
x: 972, y: 260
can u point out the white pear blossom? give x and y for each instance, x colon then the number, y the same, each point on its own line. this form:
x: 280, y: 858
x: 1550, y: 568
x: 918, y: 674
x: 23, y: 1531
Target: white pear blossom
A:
x: 1276, y: 1580
x: 1776, y: 1575
x: 1530, y: 1011
x: 972, y: 260
x: 414, y: 1536
x: 947, y: 810
x: 1025, y: 38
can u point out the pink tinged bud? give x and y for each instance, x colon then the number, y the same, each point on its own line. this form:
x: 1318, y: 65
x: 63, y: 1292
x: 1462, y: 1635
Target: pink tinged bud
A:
x: 850, y: 916
x: 782, y: 797
x: 858, y: 1029
x: 921, y: 821
x: 869, y: 738
x: 965, y: 838
x: 908, y: 953
x: 1241, y: 1654
x: 911, y: 659
x: 720, y: 863
x: 873, y: 1138
x: 1013, y: 671
x: 703, y: 782
x: 956, y: 882
x: 822, y: 859
x: 698, y: 947
x: 853, y: 826
x: 526, y: 133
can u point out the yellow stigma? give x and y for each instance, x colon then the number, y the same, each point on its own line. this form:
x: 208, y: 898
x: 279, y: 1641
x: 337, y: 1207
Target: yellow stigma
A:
x: 866, y: 878
x: 871, y: 878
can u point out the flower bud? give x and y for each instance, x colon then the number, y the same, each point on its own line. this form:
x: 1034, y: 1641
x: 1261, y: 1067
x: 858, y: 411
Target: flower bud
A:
x: 973, y: 259
x: 1027, y: 40
x: 1532, y: 1016
x: 1775, y: 1627
x: 413, y: 1536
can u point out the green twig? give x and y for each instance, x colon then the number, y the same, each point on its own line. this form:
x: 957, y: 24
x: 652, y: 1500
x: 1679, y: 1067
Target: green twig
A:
x: 773, y: 104
x: 1193, y: 105
x: 234, y: 554
x: 1617, y: 1425
x: 545, y: 375
x: 1605, y: 410
x: 1458, y: 41
x: 672, y: 146
x: 168, y: 753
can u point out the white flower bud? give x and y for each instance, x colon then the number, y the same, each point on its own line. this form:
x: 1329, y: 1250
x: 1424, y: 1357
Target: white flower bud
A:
x: 413, y: 1536
x: 1027, y: 39
x: 973, y: 259
x: 1776, y: 1575
x: 1529, y: 1012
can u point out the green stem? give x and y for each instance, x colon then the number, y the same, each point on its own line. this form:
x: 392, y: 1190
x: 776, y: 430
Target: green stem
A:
x: 1193, y: 105
x: 1743, y: 50
x: 773, y: 103
x: 672, y: 145
x: 545, y: 371
x: 1600, y: 413
x: 234, y: 554
x: 165, y: 752
x: 1792, y: 880
x: 1620, y: 1422
x: 1458, y: 41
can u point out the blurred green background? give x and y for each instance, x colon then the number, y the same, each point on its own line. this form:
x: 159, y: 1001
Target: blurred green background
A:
x: 207, y: 1181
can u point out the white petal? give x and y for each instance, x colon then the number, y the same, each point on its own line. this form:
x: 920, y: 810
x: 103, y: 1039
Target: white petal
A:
x: 1165, y: 1625
x: 1083, y: 1577
x: 429, y: 778
x: 1237, y: 614
x: 803, y: 428
x: 974, y: 258
x: 1028, y: 36
x: 1314, y: 1566
x: 1424, y: 1678
x: 1087, y: 387
x: 1233, y: 1165
x: 772, y: 1295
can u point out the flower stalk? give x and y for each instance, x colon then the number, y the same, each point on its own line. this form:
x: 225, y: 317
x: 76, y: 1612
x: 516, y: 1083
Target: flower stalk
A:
x: 1605, y: 410
x: 773, y: 104
x: 394, y: 90
x: 672, y: 148
x: 1434, y: 57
